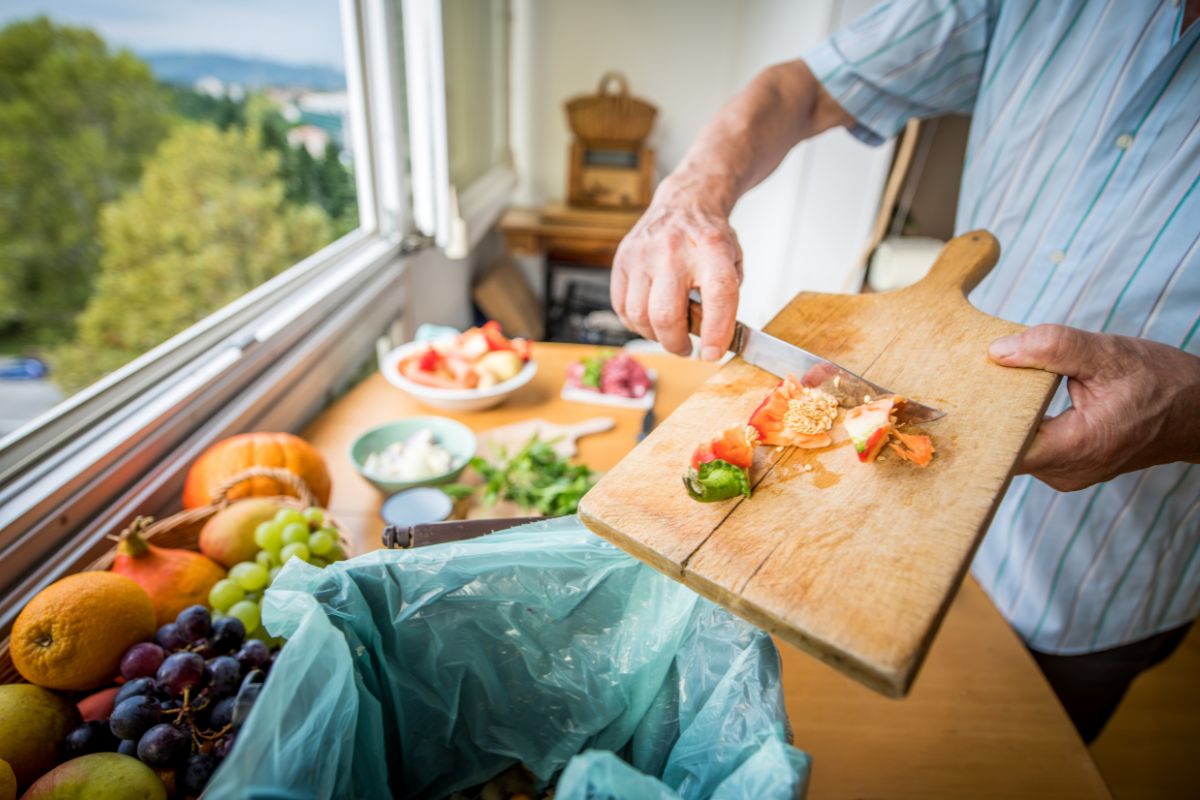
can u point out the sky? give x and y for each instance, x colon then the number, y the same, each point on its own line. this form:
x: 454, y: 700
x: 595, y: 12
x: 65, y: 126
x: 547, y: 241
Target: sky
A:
x: 290, y: 31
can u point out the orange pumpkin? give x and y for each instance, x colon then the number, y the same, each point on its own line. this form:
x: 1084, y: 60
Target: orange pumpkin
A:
x: 238, y: 453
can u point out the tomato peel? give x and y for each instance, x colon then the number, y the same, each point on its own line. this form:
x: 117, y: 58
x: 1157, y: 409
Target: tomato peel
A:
x: 913, y: 447
x: 793, y: 415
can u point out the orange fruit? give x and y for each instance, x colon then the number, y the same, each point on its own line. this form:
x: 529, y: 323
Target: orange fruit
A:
x: 72, y: 634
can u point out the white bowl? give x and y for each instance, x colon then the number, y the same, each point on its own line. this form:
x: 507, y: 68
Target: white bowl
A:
x: 451, y: 399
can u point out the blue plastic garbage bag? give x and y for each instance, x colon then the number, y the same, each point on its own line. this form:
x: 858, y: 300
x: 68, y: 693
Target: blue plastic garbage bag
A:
x: 418, y: 673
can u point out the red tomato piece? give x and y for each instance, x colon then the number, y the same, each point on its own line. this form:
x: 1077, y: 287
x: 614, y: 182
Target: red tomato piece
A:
x: 792, y: 415
x: 734, y: 446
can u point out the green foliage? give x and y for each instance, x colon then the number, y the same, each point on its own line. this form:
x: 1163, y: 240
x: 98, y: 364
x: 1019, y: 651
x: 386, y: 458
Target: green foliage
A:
x: 207, y: 222
x: 76, y: 122
x: 325, y: 182
x: 220, y: 111
x: 535, y: 478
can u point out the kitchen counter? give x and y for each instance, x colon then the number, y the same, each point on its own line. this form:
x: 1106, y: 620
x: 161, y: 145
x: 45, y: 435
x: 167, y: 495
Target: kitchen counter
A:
x: 980, y: 722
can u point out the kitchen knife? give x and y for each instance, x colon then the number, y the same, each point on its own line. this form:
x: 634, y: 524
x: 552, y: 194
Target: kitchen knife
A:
x: 780, y: 358
x: 648, y: 423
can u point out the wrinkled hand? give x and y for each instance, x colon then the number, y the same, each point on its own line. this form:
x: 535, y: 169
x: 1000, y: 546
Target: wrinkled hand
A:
x: 682, y: 242
x: 1135, y: 403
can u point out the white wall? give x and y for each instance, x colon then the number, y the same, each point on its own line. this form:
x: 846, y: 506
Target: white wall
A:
x: 806, y: 225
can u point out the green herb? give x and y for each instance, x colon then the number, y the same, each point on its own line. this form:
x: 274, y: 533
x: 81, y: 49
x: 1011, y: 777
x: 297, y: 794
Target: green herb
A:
x: 593, y: 368
x: 458, y: 491
x: 717, y: 480
x: 535, y: 478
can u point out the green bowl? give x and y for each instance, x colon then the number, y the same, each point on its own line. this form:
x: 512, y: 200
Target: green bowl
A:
x: 454, y: 436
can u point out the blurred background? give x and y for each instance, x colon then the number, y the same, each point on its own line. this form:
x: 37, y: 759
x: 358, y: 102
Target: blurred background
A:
x: 163, y: 159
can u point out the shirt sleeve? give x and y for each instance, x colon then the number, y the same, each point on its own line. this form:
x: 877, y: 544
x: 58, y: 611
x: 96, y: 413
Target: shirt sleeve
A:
x: 905, y: 59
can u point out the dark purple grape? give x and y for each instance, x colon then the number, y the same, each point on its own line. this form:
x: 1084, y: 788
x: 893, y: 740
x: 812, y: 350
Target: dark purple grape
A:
x: 223, y: 747
x: 195, y: 776
x: 223, y: 674
x: 134, y: 716
x: 221, y: 714
x: 142, y: 660
x: 228, y: 635
x: 164, y: 745
x: 128, y: 747
x: 90, y: 737
x: 135, y: 687
x: 253, y: 655
x: 181, y: 671
x: 170, y: 638
x: 194, y: 623
x: 248, y: 692
x: 203, y: 648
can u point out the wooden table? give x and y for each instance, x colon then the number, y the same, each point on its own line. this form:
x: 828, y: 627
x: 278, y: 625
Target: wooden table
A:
x: 980, y: 722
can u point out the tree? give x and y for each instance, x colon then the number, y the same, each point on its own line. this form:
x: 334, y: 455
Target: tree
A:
x: 207, y: 222
x: 335, y: 186
x: 76, y: 122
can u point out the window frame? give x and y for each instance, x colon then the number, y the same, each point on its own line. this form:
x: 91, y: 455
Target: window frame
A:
x: 83, y: 470
x: 455, y: 218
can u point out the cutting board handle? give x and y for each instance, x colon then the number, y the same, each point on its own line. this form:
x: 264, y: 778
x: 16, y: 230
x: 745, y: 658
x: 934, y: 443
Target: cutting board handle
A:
x: 963, y: 263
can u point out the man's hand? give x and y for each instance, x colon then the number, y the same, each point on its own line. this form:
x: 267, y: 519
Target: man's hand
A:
x: 682, y: 242
x: 1134, y: 404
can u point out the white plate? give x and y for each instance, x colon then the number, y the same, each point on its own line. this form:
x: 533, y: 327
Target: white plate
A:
x: 451, y: 399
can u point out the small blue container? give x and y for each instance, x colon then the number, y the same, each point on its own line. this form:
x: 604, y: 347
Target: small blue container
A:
x: 417, y: 506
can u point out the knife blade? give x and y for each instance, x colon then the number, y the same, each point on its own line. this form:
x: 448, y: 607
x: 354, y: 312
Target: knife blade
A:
x: 648, y: 423
x: 782, y: 359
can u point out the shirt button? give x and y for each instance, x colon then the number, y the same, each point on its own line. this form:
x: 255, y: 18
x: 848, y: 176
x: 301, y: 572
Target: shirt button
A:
x: 1058, y: 256
x: 1124, y: 141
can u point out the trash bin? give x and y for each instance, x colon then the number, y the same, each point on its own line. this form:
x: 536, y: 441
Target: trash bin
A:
x: 418, y: 673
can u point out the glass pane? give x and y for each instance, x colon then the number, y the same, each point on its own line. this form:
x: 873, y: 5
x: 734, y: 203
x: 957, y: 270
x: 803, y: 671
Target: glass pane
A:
x: 157, y: 165
x: 475, y: 37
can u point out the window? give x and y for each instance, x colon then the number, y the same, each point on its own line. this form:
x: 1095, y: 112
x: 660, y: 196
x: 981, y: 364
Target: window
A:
x: 286, y: 275
x: 158, y: 166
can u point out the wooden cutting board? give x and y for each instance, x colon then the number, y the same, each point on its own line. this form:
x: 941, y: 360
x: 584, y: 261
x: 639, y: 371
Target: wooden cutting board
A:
x: 854, y: 563
x: 563, y: 438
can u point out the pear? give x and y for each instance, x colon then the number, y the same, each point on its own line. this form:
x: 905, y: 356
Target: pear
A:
x: 99, y: 776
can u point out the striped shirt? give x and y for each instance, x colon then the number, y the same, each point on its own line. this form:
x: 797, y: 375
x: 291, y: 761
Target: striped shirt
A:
x: 1084, y: 161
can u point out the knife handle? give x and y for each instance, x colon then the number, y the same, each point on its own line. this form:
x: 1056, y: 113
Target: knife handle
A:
x: 695, y: 314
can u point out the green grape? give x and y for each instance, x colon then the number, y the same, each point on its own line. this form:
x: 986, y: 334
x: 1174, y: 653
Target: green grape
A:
x: 336, y: 553
x: 249, y: 575
x: 287, y: 516
x: 224, y: 594
x: 269, y: 535
x: 299, y: 550
x: 247, y: 612
x: 315, y: 516
x: 274, y: 573
x: 295, y: 533
x: 263, y: 559
x: 321, y: 543
x: 319, y: 562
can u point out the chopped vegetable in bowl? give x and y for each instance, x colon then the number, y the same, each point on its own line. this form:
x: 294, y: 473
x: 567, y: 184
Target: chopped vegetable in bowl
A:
x: 417, y: 458
x: 478, y: 358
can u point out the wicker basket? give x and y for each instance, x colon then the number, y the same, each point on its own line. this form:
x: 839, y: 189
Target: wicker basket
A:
x: 606, y: 119
x: 182, y: 531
